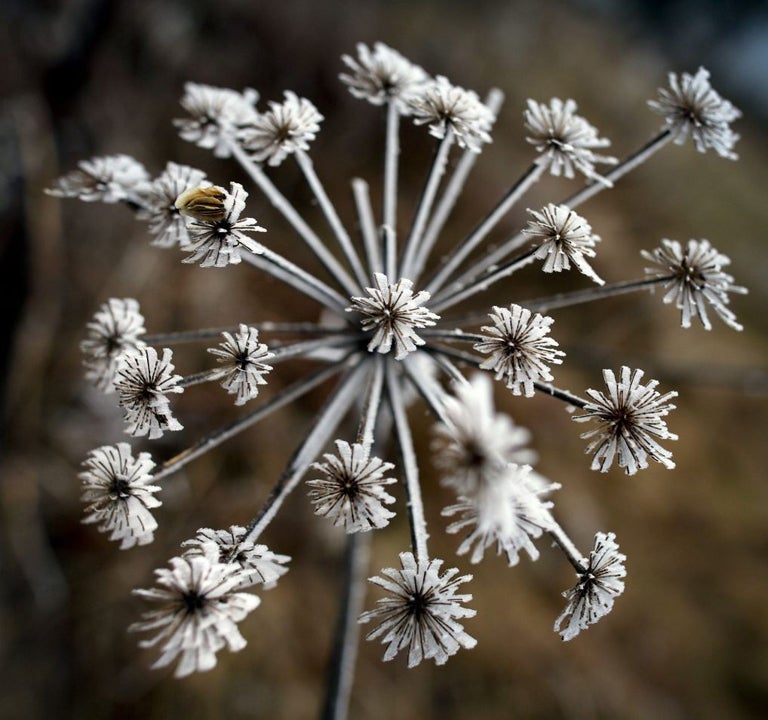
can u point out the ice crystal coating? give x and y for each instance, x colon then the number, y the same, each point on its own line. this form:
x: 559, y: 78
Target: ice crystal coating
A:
x: 696, y: 279
x: 563, y: 237
x: 218, y: 242
x: 475, y: 443
x: 118, y: 490
x: 116, y: 328
x: 422, y: 613
x: 692, y: 107
x: 243, y: 368
x: 287, y: 127
x: 260, y: 565
x: 216, y: 115
x: 565, y: 140
x: 519, y: 348
x: 508, y: 512
x: 629, y: 417
x: 381, y: 75
x: 143, y: 382
x: 352, y: 493
x: 393, y: 312
x: 108, y: 179
x: 593, y: 595
x: 197, y: 613
x: 165, y: 220
x: 447, y: 107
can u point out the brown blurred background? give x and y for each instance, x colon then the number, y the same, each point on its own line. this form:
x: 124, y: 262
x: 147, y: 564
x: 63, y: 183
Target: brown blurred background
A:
x: 86, y: 77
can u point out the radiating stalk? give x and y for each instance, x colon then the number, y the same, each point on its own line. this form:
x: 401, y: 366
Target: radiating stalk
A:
x: 287, y: 328
x: 373, y: 254
x: 372, y: 403
x: 391, y: 160
x: 569, y: 549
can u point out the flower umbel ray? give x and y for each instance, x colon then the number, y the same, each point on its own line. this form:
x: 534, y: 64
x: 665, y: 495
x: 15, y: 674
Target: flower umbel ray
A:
x: 379, y: 331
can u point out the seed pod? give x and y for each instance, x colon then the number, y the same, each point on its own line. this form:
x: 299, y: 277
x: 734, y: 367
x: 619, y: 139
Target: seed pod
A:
x: 203, y: 203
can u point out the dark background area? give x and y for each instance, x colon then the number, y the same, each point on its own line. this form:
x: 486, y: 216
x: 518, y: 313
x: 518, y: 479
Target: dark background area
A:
x: 88, y: 77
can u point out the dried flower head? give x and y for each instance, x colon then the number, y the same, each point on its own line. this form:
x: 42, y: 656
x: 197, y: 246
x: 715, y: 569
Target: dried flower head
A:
x: 352, y: 493
x: 593, y: 595
x: 287, y: 127
x: 629, y: 417
x: 143, y: 382
x: 243, y: 368
x: 449, y: 108
x: 692, y: 107
x: 422, y: 613
x: 381, y: 75
x: 519, y: 348
x: 695, y: 280
x: 563, y: 237
x: 394, y: 313
x: 118, y: 490
x: 198, y: 611
x: 116, y: 328
x: 109, y: 179
x: 566, y: 141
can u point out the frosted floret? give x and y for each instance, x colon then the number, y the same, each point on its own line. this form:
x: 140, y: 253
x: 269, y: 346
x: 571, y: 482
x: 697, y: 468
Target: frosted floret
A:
x: 563, y: 237
x: 696, y: 280
x: 352, y: 493
x: 216, y: 114
x: 381, y: 75
x: 167, y: 225
x: 116, y: 328
x: 286, y: 128
x: 629, y: 417
x: 445, y: 107
x: 243, y: 368
x: 259, y: 564
x: 508, y: 513
x: 119, y: 495
x: 393, y: 313
x: 519, y: 348
x: 109, y: 179
x: 566, y: 141
x: 198, y: 609
x: 691, y: 107
x: 143, y: 383
x: 593, y: 595
x: 475, y: 443
x: 422, y: 613
x: 218, y: 242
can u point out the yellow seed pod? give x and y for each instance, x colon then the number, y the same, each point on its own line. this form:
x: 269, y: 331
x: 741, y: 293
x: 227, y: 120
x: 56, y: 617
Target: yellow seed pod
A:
x: 202, y: 203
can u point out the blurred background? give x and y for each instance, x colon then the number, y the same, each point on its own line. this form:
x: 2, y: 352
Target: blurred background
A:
x: 90, y: 77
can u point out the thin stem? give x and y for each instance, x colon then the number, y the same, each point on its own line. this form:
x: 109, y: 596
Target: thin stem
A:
x: 564, y: 395
x: 306, y: 347
x: 569, y: 549
x: 372, y: 403
x: 414, y: 502
x: 463, y: 249
x: 362, y: 196
x: 225, y: 432
x: 199, y: 378
x: 342, y: 236
x: 188, y: 336
x: 389, y: 243
x: 323, y: 426
x: 286, y: 209
x: 441, y: 358
x: 453, y: 189
x: 426, y: 387
x: 452, y: 336
x: 391, y: 160
x: 424, y: 207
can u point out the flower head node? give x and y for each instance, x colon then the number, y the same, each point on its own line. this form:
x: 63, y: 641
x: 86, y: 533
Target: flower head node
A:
x: 381, y: 75
x: 143, y: 383
x: 198, y: 608
x: 593, y: 595
x: 108, y: 179
x: 352, y: 493
x: 119, y: 495
x: 563, y: 237
x: 696, y: 280
x: 422, y: 613
x: 287, y: 127
x: 243, y: 368
x: 519, y: 348
x: 393, y: 313
x: 630, y: 416
x: 566, y: 141
x: 692, y: 107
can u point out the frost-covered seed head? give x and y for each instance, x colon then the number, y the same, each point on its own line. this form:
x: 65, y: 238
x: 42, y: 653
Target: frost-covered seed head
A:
x: 243, y: 368
x: 109, y: 179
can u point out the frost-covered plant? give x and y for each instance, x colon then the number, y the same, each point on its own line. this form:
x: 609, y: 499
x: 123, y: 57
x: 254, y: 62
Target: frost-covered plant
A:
x: 379, y: 330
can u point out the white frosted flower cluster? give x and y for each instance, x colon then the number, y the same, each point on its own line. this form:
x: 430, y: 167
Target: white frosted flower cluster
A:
x: 242, y: 357
x: 109, y: 179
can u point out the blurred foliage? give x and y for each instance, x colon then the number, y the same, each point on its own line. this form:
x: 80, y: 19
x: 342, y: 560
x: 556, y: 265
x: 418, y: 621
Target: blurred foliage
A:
x: 687, y: 639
